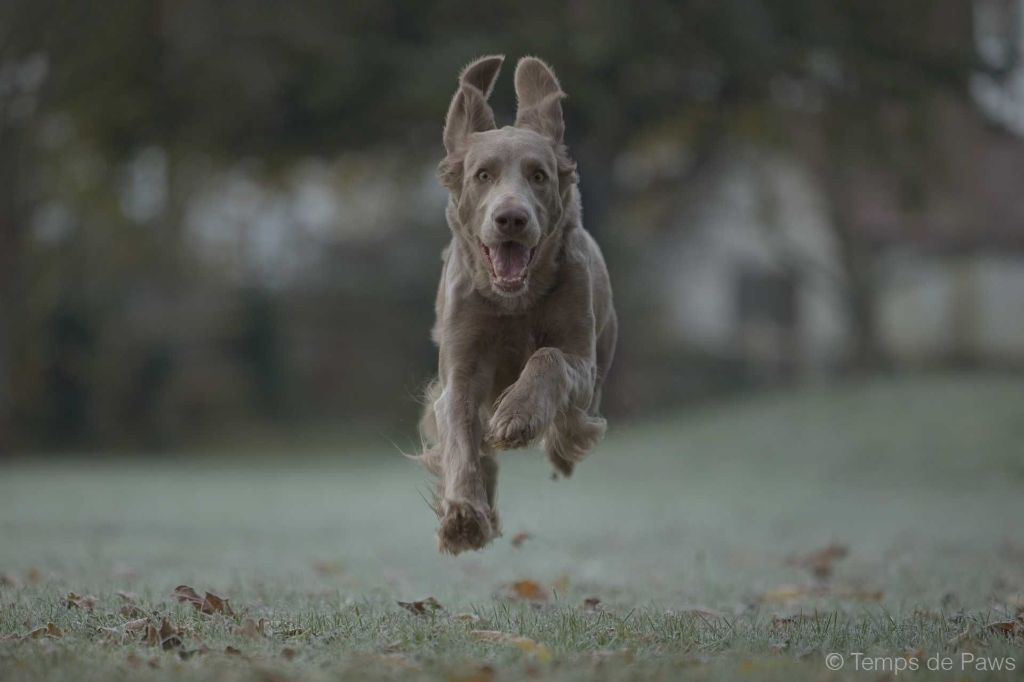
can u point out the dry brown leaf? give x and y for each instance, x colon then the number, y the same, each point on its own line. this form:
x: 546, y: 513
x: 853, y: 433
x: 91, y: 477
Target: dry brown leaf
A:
x: 819, y: 562
x: 127, y: 597
x: 48, y: 630
x: 591, y: 603
x: 166, y: 636
x: 132, y: 611
x: 137, y: 625
x: 467, y: 617
x: 528, y: 589
x: 525, y: 644
x: 289, y: 653
x: 252, y: 629
x: 74, y: 601
x: 519, y: 538
x: 209, y: 604
x: 214, y: 604
x: 186, y: 593
x: 34, y: 576
x: 421, y: 607
x: 232, y: 651
x: 1007, y: 628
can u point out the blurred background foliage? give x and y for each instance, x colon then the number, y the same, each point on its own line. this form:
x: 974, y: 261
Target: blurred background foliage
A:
x: 221, y: 218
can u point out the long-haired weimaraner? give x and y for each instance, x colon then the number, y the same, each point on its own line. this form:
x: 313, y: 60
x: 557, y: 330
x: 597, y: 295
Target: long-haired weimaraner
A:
x: 525, y: 324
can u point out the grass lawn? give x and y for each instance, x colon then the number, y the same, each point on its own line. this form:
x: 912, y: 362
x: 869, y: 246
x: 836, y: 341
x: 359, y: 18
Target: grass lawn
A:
x: 692, y: 532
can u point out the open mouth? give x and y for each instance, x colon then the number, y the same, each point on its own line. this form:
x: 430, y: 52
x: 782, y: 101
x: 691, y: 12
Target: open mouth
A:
x: 509, y: 263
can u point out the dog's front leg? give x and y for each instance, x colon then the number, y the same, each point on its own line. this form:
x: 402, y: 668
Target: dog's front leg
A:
x: 467, y: 519
x: 551, y: 382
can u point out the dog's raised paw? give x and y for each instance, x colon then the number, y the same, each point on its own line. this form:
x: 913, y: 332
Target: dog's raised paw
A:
x: 464, y: 527
x: 511, y: 429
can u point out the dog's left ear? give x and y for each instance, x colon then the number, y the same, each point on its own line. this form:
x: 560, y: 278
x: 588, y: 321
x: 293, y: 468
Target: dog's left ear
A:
x: 539, y: 97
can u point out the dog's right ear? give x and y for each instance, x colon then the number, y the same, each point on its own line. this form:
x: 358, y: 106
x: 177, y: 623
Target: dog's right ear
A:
x: 469, y: 111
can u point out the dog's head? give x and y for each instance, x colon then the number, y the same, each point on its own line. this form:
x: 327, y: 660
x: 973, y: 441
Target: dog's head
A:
x: 511, y: 187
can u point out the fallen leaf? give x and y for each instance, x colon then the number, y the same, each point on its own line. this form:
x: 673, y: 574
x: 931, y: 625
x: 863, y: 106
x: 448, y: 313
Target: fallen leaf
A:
x: 167, y: 636
x: 136, y: 625
x: 528, y: 589
x: 421, y: 607
x: 214, y: 604
x: 128, y: 597
x: 519, y: 538
x: 467, y: 617
x: 591, y: 603
x: 819, y: 562
x: 252, y: 629
x: 74, y: 601
x: 1007, y: 628
x: 289, y: 653
x: 525, y: 644
x: 132, y: 611
x: 48, y: 630
x: 208, y: 603
x: 34, y: 576
x: 232, y: 651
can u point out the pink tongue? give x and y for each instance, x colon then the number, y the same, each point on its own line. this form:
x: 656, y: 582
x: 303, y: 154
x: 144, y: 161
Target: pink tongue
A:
x: 510, y: 259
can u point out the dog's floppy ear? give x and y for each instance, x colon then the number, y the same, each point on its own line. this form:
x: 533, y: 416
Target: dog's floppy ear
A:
x: 539, y: 97
x: 469, y: 111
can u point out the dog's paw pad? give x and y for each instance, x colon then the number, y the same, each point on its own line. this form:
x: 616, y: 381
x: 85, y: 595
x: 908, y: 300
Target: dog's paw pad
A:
x: 509, y: 433
x: 464, y: 527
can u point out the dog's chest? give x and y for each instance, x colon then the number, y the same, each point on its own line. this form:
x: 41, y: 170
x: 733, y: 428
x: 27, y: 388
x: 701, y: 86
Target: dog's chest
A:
x: 517, y: 339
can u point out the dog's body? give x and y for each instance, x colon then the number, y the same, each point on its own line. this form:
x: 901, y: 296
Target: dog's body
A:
x: 525, y: 323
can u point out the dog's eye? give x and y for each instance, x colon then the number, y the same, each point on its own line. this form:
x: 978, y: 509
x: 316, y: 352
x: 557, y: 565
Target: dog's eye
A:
x: 539, y: 177
x: 483, y: 176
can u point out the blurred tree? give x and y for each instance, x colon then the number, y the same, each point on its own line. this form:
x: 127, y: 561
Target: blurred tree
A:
x: 116, y: 116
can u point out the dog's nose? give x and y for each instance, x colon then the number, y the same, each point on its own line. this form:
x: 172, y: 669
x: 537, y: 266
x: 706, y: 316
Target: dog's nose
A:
x: 511, y: 221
